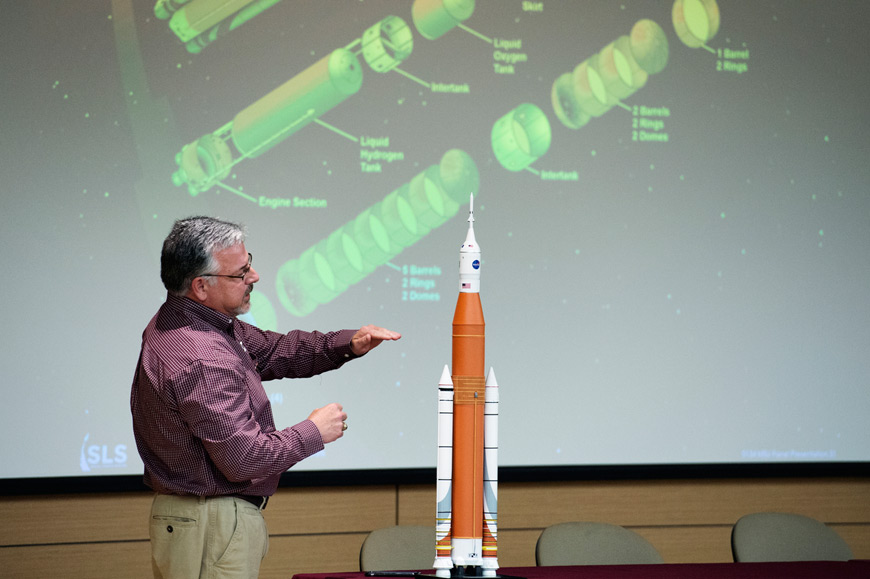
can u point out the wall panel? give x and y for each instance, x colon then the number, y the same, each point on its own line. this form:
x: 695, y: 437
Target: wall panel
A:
x: 321, y: 529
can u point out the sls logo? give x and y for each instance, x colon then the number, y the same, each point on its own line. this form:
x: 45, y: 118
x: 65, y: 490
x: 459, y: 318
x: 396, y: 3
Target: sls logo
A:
x: 99, y: 456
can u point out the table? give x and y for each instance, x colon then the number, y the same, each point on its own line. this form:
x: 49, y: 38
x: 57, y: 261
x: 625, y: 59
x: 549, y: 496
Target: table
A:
x: 856, y: 569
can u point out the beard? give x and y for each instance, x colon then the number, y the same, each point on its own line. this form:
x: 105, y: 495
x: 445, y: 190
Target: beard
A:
x: 245, y: 306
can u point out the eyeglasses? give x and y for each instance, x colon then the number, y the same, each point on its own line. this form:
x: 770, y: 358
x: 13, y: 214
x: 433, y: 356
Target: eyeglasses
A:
x: 242, y: 275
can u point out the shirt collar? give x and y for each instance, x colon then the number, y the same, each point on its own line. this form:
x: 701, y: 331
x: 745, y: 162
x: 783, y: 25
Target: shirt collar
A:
x: 199, y: 311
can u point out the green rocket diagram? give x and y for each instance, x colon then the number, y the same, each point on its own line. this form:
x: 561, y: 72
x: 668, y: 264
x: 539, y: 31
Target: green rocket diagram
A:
x: 519, y: 138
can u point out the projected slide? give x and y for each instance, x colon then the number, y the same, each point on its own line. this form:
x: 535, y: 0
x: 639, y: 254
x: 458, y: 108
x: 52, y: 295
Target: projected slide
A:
x: 671, y: 196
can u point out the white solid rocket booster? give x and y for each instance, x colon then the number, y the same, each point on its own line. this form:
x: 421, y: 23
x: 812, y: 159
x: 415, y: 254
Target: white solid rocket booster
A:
x: 444, y: 474
x: 490, y: 477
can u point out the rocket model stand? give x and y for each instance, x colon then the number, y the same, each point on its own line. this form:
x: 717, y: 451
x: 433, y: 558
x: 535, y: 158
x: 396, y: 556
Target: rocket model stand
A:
x: 467, y: 464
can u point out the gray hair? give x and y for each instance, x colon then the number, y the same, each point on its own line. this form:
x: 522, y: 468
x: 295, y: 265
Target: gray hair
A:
x: 188, y: 251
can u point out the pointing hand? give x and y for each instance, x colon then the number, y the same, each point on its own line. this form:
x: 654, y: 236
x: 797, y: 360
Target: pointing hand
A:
x: 369, y: 337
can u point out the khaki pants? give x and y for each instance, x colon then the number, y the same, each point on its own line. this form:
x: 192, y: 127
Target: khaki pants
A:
x: 206, y: 538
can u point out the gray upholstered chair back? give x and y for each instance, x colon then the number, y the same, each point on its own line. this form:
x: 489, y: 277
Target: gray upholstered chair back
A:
x: 399, y: 548
x: 590, y: 543
x: 785, y: 537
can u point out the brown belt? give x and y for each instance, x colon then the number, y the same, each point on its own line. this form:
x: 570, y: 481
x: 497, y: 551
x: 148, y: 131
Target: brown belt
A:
x: 259, y: 502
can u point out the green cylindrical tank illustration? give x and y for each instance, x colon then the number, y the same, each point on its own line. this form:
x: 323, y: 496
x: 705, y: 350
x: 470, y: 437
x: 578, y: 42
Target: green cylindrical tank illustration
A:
x: 297, y: 102
x: 649, y: 45
x: 520, y: 137
x: 270, y: 120
x: 202, y: 162
x: 387, y: 44
x: 696, y: 22
x: 618, y: 71
x: 345, y: 256
x: 430, y: 206
x: 163, y: 9
x: 291, y: 106
x: 200, y: 15
x: 198, y: 23
x: 377, y: 234
x: 434, y: 18
x: 565, y: 103
x: 589, y: 88
x: 370, y: 234
x: 293, y: 295
x: 247, y: 13
x: 399, y: 219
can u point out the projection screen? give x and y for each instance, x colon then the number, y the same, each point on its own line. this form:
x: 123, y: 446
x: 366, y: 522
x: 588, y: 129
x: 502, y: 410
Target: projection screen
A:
x: 671, y: 198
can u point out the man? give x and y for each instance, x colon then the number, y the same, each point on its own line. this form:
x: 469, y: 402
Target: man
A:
x: 201, y: 418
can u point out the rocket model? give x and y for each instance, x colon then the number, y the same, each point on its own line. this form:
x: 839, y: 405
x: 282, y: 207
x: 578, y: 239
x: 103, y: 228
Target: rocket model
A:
x: 467, y: 463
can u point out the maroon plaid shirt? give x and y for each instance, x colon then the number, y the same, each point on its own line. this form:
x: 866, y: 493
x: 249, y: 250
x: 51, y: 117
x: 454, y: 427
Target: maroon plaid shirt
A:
x: 202, y: 421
